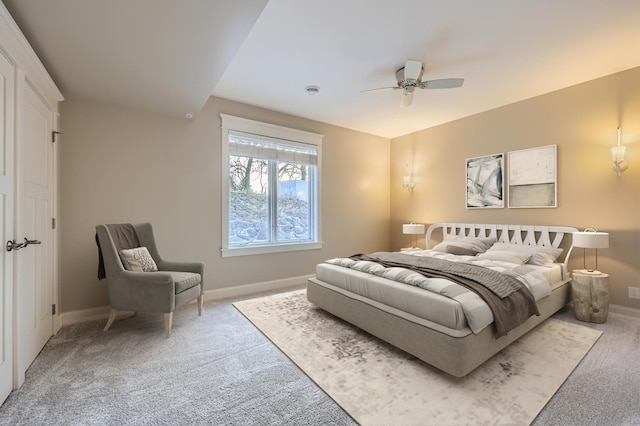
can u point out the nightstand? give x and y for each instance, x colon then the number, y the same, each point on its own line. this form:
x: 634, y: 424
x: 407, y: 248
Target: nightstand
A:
x: 590, y: 296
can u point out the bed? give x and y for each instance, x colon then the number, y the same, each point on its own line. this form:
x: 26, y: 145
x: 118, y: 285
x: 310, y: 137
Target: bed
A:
x: 438, y: 321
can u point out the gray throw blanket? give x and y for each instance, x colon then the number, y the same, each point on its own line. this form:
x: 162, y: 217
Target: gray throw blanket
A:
x: 509, y: 300
x: 124, y: 237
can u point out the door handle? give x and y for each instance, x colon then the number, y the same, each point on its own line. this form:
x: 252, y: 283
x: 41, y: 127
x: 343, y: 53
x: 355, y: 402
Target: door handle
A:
x: 12, y: 245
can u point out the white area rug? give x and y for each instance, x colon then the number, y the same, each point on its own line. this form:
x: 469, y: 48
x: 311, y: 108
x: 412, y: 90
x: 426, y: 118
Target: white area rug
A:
x: 378, y: 384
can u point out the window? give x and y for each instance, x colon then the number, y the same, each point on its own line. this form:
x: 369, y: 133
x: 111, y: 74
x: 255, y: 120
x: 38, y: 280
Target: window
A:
x: 271, y: 188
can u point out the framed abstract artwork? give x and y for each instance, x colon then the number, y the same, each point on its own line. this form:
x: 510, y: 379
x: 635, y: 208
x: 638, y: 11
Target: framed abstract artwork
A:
x: 533, y: 178
x: 485, y: 186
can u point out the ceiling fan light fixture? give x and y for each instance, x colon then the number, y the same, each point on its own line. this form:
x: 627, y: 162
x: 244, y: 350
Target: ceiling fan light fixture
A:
x: 406, y: 100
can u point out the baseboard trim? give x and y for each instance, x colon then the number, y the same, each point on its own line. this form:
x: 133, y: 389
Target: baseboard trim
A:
x: 624, y: 310
x: 84, y: 315
x: 247, y: 289
x: 102, y: 312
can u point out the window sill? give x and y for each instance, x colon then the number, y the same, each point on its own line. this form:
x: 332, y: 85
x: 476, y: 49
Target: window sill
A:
x: 249, y: 251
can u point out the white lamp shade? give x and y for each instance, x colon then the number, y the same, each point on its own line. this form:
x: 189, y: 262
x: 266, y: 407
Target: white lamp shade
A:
x: 617, y: 152
x: 593, y: 240
x: 413, y: 228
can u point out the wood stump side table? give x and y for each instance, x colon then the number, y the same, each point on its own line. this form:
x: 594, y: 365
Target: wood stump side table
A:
x: 590, y: 296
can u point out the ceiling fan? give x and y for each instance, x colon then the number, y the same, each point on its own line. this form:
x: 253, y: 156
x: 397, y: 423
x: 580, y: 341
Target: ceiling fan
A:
x: 409, y: 78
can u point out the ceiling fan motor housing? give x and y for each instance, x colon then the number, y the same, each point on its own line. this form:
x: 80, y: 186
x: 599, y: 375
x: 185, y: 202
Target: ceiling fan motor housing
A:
x: 414, y: 80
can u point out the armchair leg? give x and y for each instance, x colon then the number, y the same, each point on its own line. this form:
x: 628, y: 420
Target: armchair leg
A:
x: 168, y: 320
x: 200, y: 303
x: 112, y: 317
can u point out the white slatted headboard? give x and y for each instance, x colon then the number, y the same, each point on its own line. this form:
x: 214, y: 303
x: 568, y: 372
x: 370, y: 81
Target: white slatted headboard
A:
x: 533, y: 235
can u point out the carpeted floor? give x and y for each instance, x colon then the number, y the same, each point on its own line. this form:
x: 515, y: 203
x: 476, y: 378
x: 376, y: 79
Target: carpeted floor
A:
x: 605, y: 388
x: 215, y: 370
x: 220, y: 370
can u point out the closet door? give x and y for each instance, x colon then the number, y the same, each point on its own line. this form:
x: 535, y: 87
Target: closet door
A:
x: 35, y: 263
x: 7, y: 77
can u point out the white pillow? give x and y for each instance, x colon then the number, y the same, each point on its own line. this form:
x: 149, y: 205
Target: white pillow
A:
x: 480, y: 245
x: 519, y: 258
x: 138, y: 260
x: 542, y: 256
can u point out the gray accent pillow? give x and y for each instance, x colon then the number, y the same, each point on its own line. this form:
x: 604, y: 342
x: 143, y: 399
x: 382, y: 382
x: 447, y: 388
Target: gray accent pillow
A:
x: 480, y: 245
x: 460, y: 251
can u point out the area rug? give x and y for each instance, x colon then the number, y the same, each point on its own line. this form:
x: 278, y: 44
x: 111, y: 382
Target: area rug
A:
x: 378, y: 384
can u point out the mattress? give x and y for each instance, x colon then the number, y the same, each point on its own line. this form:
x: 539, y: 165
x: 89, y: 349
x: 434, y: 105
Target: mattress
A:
x: 419, y: 305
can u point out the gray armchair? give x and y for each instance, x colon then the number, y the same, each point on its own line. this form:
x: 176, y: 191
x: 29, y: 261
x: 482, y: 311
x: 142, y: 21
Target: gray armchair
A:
x: 172, y: 285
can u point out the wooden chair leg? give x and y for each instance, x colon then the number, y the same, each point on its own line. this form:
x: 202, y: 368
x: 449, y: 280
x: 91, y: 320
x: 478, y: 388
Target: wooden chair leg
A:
x: 200, y: 303
x: 112, y: 317
x: 168, y: 320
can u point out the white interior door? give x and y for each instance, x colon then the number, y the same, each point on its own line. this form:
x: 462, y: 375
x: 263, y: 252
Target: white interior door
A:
x: 6, y: 225
x: 34, y: 265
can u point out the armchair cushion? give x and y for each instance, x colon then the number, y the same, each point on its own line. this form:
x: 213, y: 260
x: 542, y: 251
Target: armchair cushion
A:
x: 185, y: 280
x: 138, y: 260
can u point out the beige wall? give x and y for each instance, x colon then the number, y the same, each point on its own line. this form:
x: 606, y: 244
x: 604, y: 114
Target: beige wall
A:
x: 581, y: 121
x: 121, y: 165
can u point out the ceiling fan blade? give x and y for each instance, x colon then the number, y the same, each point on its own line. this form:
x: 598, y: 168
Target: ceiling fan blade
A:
x: 380, y: 89
x: 412, y: 69
x: 443, y: 83
x: 406, y: 100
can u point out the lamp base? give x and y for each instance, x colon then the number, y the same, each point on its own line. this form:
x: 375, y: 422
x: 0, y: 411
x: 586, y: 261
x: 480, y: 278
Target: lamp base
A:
x: 589, y: 272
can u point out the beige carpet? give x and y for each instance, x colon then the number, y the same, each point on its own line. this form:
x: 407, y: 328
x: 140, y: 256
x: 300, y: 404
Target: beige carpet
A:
x: 380, y: 385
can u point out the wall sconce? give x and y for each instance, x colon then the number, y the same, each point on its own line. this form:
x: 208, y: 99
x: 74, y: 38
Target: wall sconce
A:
x: 407, y: 180
x: 590, y: 238
x: 617, y: 152
x: 413, y: 229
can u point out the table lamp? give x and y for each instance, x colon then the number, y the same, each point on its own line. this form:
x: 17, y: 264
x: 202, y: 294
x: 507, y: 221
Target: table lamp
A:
x: 592, y: 239
x: 413, y: 229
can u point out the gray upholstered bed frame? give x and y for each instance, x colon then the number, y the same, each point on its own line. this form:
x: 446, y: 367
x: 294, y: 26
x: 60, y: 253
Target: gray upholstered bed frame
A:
x: 454, y: 355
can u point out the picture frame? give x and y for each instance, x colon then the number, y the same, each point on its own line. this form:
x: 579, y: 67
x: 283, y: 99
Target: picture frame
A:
x: 485, y: 182
x: 532, y: 181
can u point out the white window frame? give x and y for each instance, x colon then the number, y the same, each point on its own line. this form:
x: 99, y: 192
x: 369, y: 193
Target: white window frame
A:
x: 259, y: 129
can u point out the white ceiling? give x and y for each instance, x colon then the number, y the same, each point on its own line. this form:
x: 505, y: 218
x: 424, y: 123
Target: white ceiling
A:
x: 159, y: 55
x: 169, y: 55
